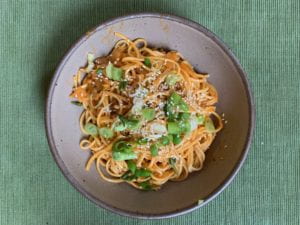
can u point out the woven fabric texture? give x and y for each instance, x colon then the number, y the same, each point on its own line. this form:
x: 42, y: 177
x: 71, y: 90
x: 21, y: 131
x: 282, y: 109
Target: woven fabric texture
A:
x: 264, y: 35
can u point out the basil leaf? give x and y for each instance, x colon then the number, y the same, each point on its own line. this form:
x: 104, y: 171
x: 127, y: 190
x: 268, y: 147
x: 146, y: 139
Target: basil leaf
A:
x: 91, y: 129
x: 148, y: 113
x: 114, y: 73
x: 154, y: 150
x: 76, y: 103
x: 106, y: 132
x: 147, y: 62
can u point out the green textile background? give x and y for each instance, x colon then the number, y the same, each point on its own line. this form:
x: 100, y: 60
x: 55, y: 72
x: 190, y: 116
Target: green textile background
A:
x: 265, y: 36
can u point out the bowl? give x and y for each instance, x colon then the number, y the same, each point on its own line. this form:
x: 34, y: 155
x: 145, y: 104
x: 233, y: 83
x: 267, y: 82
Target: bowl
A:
x: 226, y: 155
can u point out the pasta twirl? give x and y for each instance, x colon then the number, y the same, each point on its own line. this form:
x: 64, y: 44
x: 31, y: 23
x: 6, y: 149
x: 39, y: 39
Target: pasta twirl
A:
x: 148, y: 116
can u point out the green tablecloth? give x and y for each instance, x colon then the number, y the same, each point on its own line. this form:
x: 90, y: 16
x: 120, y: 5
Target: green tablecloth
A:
x: 265, y: 35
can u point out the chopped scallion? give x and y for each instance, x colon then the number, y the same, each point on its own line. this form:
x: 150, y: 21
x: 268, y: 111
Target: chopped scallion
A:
x: 165, y: 140
x: 142, y: 141
x: 91, y: 129
x: 146, y: 186
x: 148, y: 113
x: 106, y: 132
x: 142, y: 172
x: 114, y: 73
x: 172, y: 79
x: 176, y: 139
x: 147, y: 62
x: 209, y: 125
x: 122, y: 85
x: 173, y: 128
x: 154, y: 150
x: 131, y: 166
x: 200, y: 119
x: 118, y: 156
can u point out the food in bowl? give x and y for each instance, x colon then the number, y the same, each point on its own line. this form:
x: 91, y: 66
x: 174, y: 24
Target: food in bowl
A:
x: 148, y: 115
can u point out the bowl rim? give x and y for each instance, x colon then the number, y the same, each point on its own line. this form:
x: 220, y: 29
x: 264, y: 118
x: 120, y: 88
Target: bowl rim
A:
x: 184, y: 21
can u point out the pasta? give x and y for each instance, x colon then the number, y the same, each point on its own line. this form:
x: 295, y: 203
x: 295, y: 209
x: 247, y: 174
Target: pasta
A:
x: 148, y: 116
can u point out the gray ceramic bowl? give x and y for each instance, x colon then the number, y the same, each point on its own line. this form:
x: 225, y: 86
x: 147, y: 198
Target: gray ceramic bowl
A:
x: 225, y: 157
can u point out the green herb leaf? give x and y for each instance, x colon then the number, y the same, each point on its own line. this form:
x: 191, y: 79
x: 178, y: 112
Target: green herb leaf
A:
x: 90, y: 59
x: 165, y: 140
x: 185, y: 126
x: 118, y: 156
x: 154, y: 150
x: 173, y: 128
x: 106, y: 132
x: 209, y: 125
x: 147, y: 62
x: 170, y: 136
x: 176, y: 139
x: 148, y: 113
x: 146, y: 186
x: 114, y: 73
x: 76, y: 103
x: 184, y: 116
x: 175, y: 103
x: 142, y: 172
x: 131, y: 124
x: 200, y: 119
x: 99, y: 72
x: 120, y: 127
x: 122, y: 146
x: 172, y: 79
x: 175, y: 99
x: 91, y: 129
x: 128, y: 176
x: 183, y: 106
x: 142, y: 141
x: 131, y: 166
x: 172, y: 162
x: 122, y: 85
x: 122, y: 150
